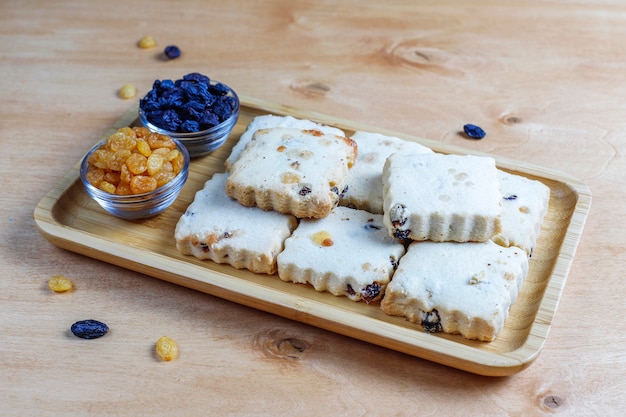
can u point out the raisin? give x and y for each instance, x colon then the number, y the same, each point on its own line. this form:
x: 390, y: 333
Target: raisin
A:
x: 146, y: 42
x: 127, y: 91
x: 398, y: 215
x: 401, y: 234
x: 370, y: 292
x: 350, y: 290
x: 60, y: 283
x: 189, y: 104
x: 89, y: 329
x: 510, y: 197
x: 166, y: 348
x: 432, y: 322
x: 172, y: 51
x: 393, y: 261
x: 473, y: 131
x: 305, y: 190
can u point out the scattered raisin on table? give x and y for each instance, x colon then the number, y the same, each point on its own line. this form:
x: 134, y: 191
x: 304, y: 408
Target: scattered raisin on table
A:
x: 127, y: 91
x: 89, y: 329
x: 146, y: 42
x: 473, y: 131
x: 166, y: 348
x: 172, y: 52
x: 60, y: 283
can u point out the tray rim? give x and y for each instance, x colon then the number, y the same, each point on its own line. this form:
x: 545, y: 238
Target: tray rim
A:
x: 318, y: 314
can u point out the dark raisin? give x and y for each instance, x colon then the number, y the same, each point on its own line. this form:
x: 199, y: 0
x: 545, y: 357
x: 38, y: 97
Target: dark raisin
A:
x: 432, y: 322
x: 394, y: 262
x: 343, y: 192
x: 204, y: 247
x: 172, y: 51
x: 398, y: 215
x: 370, y: 292
x: 227, y: 235
x: 370, y: 226
x: 473, y: 131
x: 189, y: 104
x: 305, y: 190
x: 510, y: 197
x: 350, y: 290
x: 89, y: 329
x: 401, y: 234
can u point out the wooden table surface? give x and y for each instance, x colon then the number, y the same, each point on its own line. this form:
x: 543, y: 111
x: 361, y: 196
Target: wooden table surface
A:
x: 545, y: 79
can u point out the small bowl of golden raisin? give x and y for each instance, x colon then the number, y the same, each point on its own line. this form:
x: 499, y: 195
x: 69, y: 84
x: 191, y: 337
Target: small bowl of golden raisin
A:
x: 135, y: 173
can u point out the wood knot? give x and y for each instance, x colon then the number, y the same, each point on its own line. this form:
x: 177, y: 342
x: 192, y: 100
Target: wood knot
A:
x: 510, y: 119
x: 311, y: 88
x: 553, y: 401
x: 277, y: 345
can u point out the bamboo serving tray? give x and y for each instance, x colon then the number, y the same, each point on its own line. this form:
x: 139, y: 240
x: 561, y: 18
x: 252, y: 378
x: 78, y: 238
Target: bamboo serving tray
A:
x: 68, y: 218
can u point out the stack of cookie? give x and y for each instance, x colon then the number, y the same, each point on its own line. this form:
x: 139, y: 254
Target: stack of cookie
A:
x: 442, y: 240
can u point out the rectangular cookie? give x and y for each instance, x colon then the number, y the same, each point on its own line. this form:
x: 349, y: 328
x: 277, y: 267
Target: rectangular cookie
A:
x: 292, y: 171
x: 524, y: 205
x: 441, y: 197
x: 365, y: 184
x: 216, y: 227
x: 348, y: 253
x: 452, y: 287
x: 271, y: 121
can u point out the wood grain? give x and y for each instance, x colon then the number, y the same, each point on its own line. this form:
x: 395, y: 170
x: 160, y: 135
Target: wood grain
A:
x: 545, y: 79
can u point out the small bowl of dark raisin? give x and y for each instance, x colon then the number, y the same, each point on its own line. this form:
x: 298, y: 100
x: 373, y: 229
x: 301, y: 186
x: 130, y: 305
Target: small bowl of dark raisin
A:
x: 197, y: 111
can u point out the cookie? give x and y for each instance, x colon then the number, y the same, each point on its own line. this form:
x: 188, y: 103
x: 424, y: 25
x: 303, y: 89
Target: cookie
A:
x: 441, y: 197
x: 216, y: 227
x: 457, y: 288
x: 524, y: 205
x: 292, y: 171
x: 348, y: 253
x: 365, y: 185
x: 271, y: 121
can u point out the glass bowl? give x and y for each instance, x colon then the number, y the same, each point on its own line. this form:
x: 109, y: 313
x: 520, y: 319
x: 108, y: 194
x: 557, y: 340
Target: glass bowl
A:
x: 137, y: 206
x: 202, y: 142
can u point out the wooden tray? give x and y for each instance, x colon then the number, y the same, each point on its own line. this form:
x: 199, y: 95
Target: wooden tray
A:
x: 71, y: 220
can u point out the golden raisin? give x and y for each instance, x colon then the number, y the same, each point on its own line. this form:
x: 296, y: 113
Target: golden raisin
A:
x: 137, y: 163
x: 166, y: 348
x: 121, y: 140
x: 164, y: 177
x: 134, y: 161
x: 119, y: 159
x: 107, y: 187
x: 141, y: 131
x: 127, y: 91
x: 146, y: 42
x: 60, y: 283
x: 143, y: 184
x: 143, y: 147
x: 160, y: 141
x: 112, y: 177
x: 155, y: 163
x: 123, y: 189
x: 125, y: 174
x: 95, y: 175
